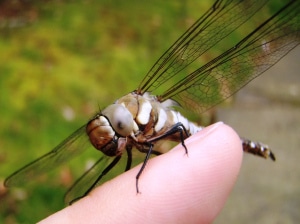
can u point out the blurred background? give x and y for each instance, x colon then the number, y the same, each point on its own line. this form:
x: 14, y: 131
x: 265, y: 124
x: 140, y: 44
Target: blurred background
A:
x: 60, y: 61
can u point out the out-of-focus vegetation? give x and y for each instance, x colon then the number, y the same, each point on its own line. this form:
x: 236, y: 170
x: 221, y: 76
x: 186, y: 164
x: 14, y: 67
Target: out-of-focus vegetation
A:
x: 59, y: 62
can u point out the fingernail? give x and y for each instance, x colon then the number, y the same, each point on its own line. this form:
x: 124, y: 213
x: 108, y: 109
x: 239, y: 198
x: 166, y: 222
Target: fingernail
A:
x: 211, y: 128
x: 204, y: 132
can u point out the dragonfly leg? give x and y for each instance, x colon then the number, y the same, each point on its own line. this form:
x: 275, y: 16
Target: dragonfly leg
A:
x: 149, y: 152
x: 129, y: 157
x: 177, y: 128
x: 257, y: 148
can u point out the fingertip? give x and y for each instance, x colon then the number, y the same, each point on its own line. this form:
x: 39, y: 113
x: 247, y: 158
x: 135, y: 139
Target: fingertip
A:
x: 203, y: 180
x: 217, y: 155
x: 219, y: 140
x: 193, y: 188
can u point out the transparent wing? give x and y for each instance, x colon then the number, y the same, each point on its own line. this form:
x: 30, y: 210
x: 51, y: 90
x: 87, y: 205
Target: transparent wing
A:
x: 224, y: 17
x: 227, y: 73
x: 87, y: 180
x: 75, y: 144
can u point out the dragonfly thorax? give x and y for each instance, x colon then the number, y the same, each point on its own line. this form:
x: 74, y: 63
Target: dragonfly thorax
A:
x: 152, y: 118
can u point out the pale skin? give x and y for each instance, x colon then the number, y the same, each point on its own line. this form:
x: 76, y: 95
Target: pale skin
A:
x: 175, y: 187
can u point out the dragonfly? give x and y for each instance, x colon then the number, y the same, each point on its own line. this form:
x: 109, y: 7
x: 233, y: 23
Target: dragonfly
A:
x: 151, y: 113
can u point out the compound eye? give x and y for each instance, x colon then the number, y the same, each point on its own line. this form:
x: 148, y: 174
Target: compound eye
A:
x: 120, y: 118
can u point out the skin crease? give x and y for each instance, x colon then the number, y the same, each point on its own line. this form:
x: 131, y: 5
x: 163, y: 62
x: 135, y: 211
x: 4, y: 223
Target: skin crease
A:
x: 175, y: 187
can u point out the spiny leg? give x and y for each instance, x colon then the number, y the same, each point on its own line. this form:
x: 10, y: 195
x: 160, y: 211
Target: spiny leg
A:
x: 143, y: 167
x: 129, y: 158
x: 177, y: 128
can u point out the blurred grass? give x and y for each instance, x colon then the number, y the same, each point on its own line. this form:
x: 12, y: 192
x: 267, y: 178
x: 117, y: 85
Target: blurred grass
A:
x: 59, y: 62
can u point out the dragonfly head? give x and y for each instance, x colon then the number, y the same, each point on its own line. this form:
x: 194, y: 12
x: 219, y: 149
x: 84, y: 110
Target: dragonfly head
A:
x: 100, y: 132
x: 109, y: 130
